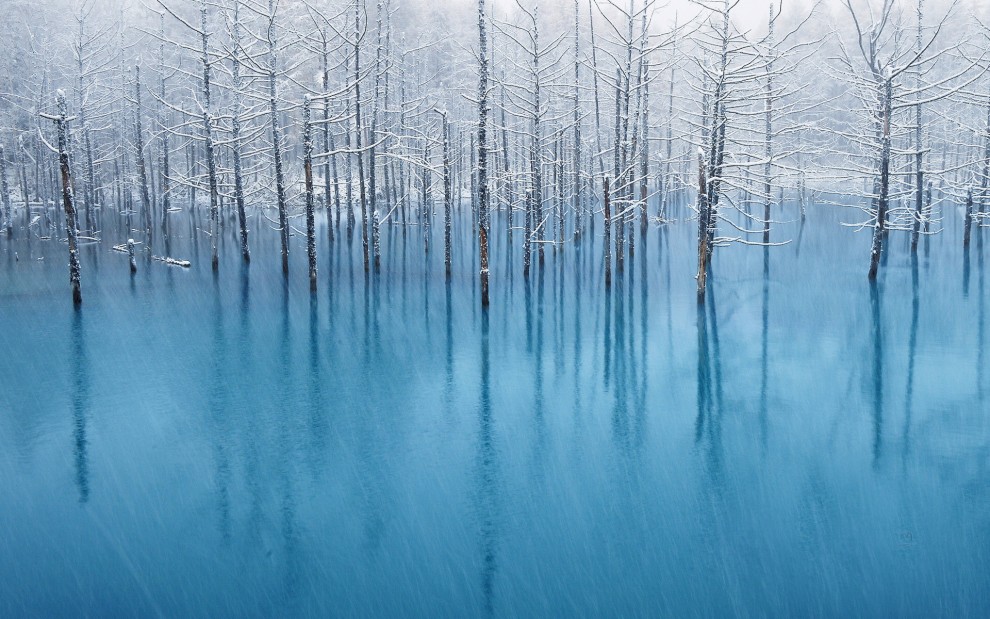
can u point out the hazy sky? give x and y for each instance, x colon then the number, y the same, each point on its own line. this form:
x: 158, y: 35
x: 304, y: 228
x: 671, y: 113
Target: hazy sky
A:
x: 747, y: 14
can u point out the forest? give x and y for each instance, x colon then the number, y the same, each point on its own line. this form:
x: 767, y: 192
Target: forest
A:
x: 609, y: 121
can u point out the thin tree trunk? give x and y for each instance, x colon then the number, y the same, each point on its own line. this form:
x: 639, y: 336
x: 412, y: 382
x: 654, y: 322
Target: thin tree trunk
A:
x: 139, y: 153
x: 5, y: 192
x: 703, y: 225
x: 358, y: 131
x: 968, y: 223
x: 879, y: 229
x: 607, y: 231
x: 310, y: 197
x: 447, y: 196
x: 283, y: 216
x: 61, y: 124
x: 236, y: 138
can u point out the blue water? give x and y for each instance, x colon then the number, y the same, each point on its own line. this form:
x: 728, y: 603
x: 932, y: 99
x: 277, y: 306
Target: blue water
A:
x: 199, y: 445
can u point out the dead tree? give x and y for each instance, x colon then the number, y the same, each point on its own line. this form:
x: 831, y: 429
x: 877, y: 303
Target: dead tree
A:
x: 358, y: 131
x: 606, y: 232
x: 310, y: 196
x: 883, y: 197
x: 5, y: 193
x: 919, y: 173
x: 968, y: 219
x: 447, y: 194
x: 283, y: 215
x: 704, y: 225
x: 61, y: 121
x: 235, y: 130
x: 205, y: 115
x: 139, y: 153
x: 878, y: 75
x: 483, y: 151
x: 164, y: 163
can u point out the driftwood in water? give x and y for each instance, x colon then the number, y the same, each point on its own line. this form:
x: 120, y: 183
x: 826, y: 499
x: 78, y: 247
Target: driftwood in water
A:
x: 127, y: 248
x: 172, y: 261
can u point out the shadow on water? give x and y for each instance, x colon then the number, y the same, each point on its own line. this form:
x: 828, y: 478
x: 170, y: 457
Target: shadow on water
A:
x: 486, y: 477
x: 966, y: 272
x: 876, y: 327
x: 218, y: 403
x: 285, y: 427
x: 80, y: 403
x: 644, y: 305
x: 540, y: 436
x: 764, y: 346
x: 981, y: 324
x: 316, y: 398
x: 448, y: 355
x: 620, y: 419
x: 577, y: 309
x: 912, y: 353
x: 708, y: 422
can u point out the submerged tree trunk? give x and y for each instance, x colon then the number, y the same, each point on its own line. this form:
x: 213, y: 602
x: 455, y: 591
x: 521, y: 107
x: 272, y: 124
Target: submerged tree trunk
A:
x: 24, y: 185
x: 90, y: 181
x: 967, y: 225
x: 373, y: 150
x: 61, y: 125
x: 607, y: 233
x: 768, y: 137
x: 704, y: 214
x: 348, y: 160
x: 166, y: 186
x: 5, y: 192
x: 211, y: 167
x: 310, y: 196
x: 139, y: 153
x: 235, y: 127
x: 576, y: 197
x: 164, y: 183
x: 130, y: 255
x: 879, y: 229
x: 327, y: 145
x: 985, y: 181
x: 283, y: 216
x: 358, y: 130
x: 483, y: 151
x: 211, y: 163
x: 919, y: 174
x: 447, y: 195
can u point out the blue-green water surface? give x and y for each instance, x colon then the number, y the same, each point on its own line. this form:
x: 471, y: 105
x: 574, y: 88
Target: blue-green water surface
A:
x: 190, y: 444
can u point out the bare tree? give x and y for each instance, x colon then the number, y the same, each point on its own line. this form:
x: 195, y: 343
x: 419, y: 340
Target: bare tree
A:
x: 61, y: 121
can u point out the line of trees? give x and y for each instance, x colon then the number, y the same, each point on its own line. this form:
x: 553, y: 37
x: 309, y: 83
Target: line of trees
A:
x: 619, y: 113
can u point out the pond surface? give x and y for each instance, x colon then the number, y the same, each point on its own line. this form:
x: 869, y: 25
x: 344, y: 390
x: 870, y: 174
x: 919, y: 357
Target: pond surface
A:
x: 191, y: 445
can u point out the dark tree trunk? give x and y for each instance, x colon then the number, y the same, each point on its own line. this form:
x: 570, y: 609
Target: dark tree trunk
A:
x: 61, y: 124
x: 310, y: 195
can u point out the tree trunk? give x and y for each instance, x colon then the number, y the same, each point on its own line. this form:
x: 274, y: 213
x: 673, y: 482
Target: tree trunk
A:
x: 358, y: 130
x: 235, y: 126
x: 5, y: 192
x: 331, y: 160
x: 61, y: 124
x: 607, y: 232
x: 139, y: 153
x: 447, y: 196
x: 283, y: 216
x: 879, y: 229
x: 967, y: 225
x: 310, y: 196
x: 703, y: 225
